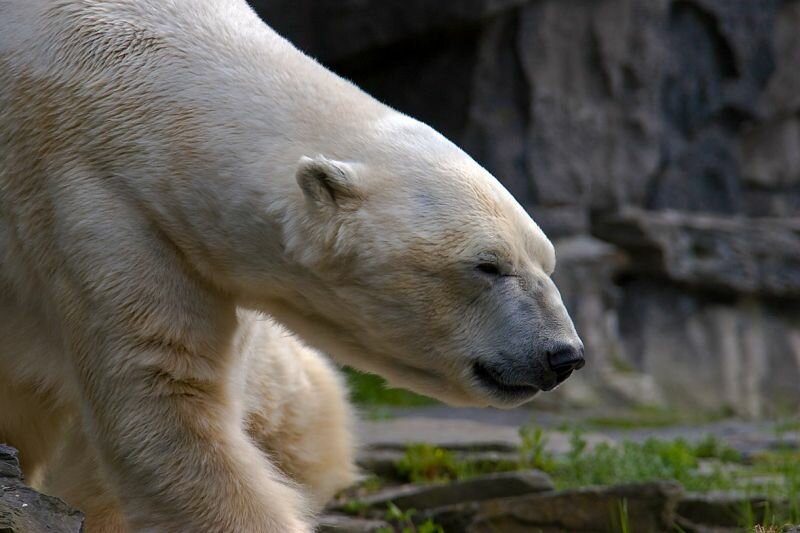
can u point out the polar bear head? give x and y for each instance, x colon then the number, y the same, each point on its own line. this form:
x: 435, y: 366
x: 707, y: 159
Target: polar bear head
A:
x: 417, y: 265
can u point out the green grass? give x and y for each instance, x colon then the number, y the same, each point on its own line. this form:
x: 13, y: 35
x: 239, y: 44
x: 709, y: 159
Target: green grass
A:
x: 655, y: 459
x: 622, y: 518
x: 784, y: 464
x: 354, y: 507
x: 371, y: 391
x: 630, y: 462
x: 647, y: 416
x: 605, y: 464
x: 532, y: 451
x: 712, y: 448
x: 679, y: 460
x: 425, y: 463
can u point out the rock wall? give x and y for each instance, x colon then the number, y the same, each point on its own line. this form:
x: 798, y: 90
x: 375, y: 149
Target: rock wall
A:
x: 656, y: 141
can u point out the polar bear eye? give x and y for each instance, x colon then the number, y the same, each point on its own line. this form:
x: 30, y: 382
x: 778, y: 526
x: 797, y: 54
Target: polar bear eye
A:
x: 490, y: 269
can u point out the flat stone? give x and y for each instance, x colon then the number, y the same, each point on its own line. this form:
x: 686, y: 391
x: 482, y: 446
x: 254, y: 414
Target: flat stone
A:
x: 23, y: 510
x: 435, y: 431
x: 443, y: 429
x: 650, y: 507
x: 383, y: 461
x: 498, y: 485
x: 348, y: 524
x: 458, y: 447
x: 723, y: 509
x: 788, y: 441
x: 380, y: 462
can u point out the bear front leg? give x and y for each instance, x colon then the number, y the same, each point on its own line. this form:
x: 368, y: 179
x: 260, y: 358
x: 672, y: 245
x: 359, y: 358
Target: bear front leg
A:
x: 164, y: 420
x: 73, y: 474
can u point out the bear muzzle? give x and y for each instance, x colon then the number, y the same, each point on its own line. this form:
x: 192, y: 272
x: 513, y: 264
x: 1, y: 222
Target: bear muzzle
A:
x: 512, y: 382
x: 564, y: 361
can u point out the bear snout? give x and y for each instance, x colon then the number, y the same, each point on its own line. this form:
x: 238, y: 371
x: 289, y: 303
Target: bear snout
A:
x: 564, y: 360
x: 508, y: 378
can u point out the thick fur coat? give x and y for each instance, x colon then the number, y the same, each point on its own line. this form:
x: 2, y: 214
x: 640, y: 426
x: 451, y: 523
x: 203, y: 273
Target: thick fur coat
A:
x: 165, y: 164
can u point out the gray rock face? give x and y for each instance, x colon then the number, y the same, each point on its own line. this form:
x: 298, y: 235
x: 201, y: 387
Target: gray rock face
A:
x: 669, y: 129
x: 23, y: 510
x: 736, y: 255
x: 709, y: 352
x: 593, y: 118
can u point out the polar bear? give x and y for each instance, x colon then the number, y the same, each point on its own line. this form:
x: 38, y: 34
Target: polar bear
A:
x: 295, y: 409
x: 164, y: 164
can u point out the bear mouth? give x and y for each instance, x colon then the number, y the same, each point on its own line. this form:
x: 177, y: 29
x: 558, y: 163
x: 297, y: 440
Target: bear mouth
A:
x: 490, y: 379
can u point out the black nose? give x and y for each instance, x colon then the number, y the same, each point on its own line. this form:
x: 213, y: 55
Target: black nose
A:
x: 566, y: 359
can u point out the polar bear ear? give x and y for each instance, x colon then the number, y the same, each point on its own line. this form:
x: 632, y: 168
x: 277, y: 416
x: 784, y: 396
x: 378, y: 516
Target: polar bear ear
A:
x: 325, y: 181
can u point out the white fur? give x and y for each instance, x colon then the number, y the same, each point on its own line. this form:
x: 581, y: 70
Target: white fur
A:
x: 151, y: 185
x: 294, y: 408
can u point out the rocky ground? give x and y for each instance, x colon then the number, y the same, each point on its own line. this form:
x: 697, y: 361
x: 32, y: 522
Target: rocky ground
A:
x: 528, y: 500
x: 477, y: 472
x: 23, y: 510
x: 445, y: 426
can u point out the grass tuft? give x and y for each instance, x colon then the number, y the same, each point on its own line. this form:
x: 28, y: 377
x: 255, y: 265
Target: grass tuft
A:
x: 371, y: 390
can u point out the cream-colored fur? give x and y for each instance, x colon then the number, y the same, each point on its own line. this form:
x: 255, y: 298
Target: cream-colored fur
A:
x: 295, y: 410
x: 167, y: 163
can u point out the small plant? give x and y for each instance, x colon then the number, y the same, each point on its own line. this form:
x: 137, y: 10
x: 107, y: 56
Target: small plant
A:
x: 354, y: 507
x: 712, y: 448
x: 784, y: 465
x: 396, y: 514
x: 372, y: 484
x: 577, y: 444
x: 423, y: 463
x: 429, y: 526
x: 624, y: 522
x: 404, y: 521
x: 747, y: 517
x: 426, y: 463
x: 399, y: 517
x: 533, y: 452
